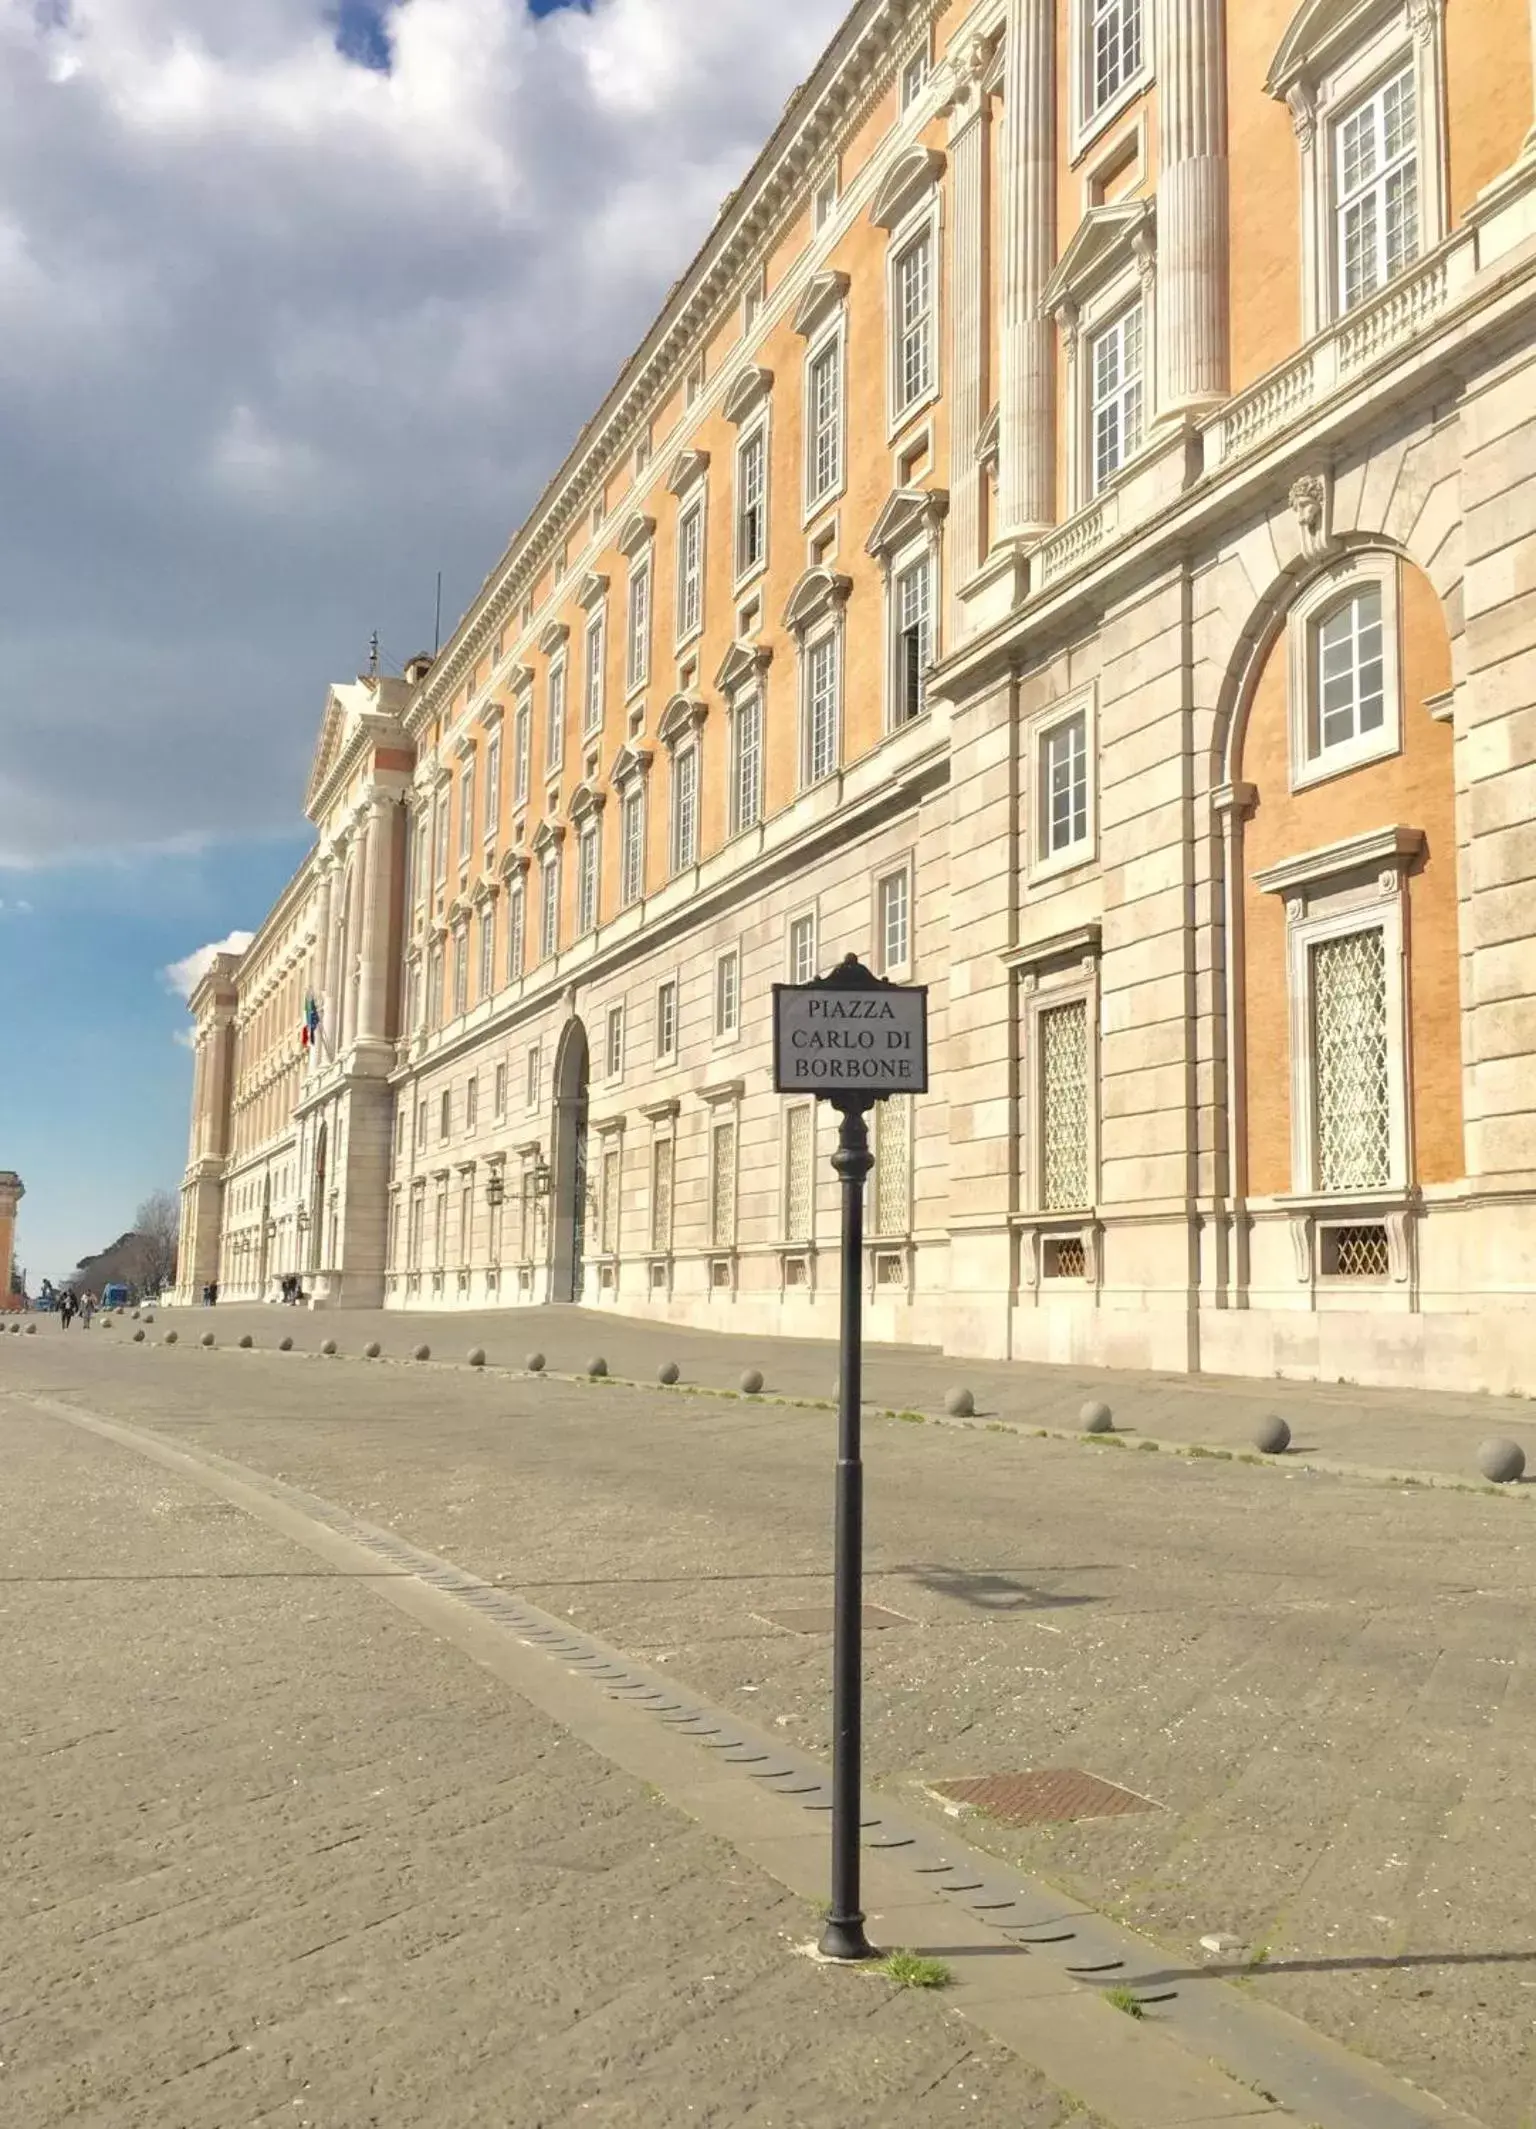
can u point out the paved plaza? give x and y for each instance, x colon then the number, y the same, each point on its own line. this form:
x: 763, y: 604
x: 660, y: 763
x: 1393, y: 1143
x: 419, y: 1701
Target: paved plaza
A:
x: 276, y: 1851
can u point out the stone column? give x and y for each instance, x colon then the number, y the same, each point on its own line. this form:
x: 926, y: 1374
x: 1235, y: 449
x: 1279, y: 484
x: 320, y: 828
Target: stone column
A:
x: 322, y: 962
x: 1027, y: 405
x: 355, y: 861
x: 968, y: 154
x: 12, y: 1191
x: 1191, y: 205
x: 374, y: 941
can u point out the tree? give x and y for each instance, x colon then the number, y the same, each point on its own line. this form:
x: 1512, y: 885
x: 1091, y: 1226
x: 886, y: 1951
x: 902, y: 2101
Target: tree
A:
x: 157, y: 1229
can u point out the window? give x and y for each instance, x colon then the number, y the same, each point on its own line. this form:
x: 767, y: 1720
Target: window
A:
x: 824, y: 423
x: 685, y: 808
x: 1352, y: 1098
x: 499, y: 1105
x: 522, y: 752
x: 753, y: 298
x: 690, y: 572
x: 1116, y: 410
x: 487, y: 953
x: 632, y: 848
x: 891, y: 1183
x: 549, y: 907
x: 722, y: 1185
x: 418, y: 860
x: 1377, y: 179
x: 421, y: 1125
x: 912, y: 279
x: 586, y: 878
x: 821, y: 708
x: 802, y: 949
x: 746, y: 763
x: 609, y: 1233
x: 914, y: 77
x: 1350, y: 679
x: 643, y: 447
x: 444, y: 1112
x: 1063, y: 786
x: 515, y: 931
x: 661, y: 1195
x: 613, y: 1042
x: 893, y: 899
x: 492, y: 786
x: 535, y: 1076
x: 799, y: 1172
x: 461, y: 970
x: 1113, y: 57
x: 1345, y: 689
x: 638, y: 668
x: 592, y: 698
x: 826, y: 199
x: 666, y: 1018
x: 727, y: 994
x: 472, y: 1104
x: 913, y: 609
x: 440, y: 838
x: 466, y: 809
x: 1063, y: 1106
x: 751, y: 502
x: 694, y: 390
x: 554, y: 731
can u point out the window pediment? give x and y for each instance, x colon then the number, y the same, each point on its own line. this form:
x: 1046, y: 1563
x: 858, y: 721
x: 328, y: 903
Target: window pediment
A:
x: 909, y: 514
x: 592, y: 590
x: 636, y: 534
x: 823, y: 293
x: 819, y: 592
x: 1107, y: 239
x: 553, y: 638
x: 513, y: 861
x: 520, y: 679
x: 749, y: 388
x: 909, y: 178
x: 630, y: 764
x: 1380, y: 850
x: 587, y: 801
x: 683, y: 715
x: 487, y: 887
x: 742, y: 664
x: 687, y: 467
x: 1321, y: 32
x: 547, y: 838
x: 490, y: 716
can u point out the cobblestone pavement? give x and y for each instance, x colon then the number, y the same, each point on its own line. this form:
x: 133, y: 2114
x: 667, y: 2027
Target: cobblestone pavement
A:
x: 1324, y: 1684
x: 273, y: 1854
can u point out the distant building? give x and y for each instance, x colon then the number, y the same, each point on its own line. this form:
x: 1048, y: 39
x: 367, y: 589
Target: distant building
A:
x: 1068, y: 537
x: 12, y: 1191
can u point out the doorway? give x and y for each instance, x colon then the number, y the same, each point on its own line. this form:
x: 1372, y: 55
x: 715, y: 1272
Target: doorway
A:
x: 569, y: 1165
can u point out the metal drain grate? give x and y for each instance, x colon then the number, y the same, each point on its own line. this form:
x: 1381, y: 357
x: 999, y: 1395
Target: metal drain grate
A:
x: 818, y: 1619
x: 1049, y: 1797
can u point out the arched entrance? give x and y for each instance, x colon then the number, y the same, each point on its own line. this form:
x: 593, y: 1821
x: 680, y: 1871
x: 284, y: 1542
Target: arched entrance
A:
x: 317, y: 1205
x: 569, y: 1164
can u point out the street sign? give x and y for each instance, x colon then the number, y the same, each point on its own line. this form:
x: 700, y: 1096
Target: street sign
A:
x: 850, y: 1034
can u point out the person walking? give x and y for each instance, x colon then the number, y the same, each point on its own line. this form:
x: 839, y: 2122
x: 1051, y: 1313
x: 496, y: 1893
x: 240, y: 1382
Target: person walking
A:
x: 66, y: 1308
x: 87, y: 1310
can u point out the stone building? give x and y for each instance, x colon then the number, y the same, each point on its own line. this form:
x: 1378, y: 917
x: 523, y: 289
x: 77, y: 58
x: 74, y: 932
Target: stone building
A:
x: 12, y: 1191
x: 1070, y: 537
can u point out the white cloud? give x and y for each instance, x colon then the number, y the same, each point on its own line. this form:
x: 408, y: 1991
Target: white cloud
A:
x: 284, y: 336
x: 185, y: 975
x: 15, y: 909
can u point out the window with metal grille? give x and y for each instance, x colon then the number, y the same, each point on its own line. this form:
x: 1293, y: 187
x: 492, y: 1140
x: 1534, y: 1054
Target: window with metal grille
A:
x: 914, y: 322
x: 549, y: 907
x: 802, y: 949
x: 586, y: 878
x: 554, y: 735
x: 914, y: 638
x: 1115, y: 362
x: 821, y: 736
x: 1064, y: 785
x: 666, y: 1019
x: 894, y: 901
x: 824, y: 435
x: 610, y: 1236
x: 1064, y: 1257
x: 892, y: 1193
x: 487, y: 953
x: 1063, y: 1038
x: 466, y: 1221
x: 685, y: 808
x: 639, y: 662
x: 722, y: 1186
x: 661, y: 1194
x: 592, y: 700
x: 799, y: 1171
x: 444, y: 1113
x: 1114, y: 49
x: 472, y: 1103
x: 727, y: 993
x: 890, y: 1268
x: 492, y: 786
x: 1349, y: 678
x: 440, y: 1227
x: 747, y: 764
x: 499, y: 1104
x: 751, y: 501
x: 1355, y: 1252
x: 418, y: 1216
x: 522, y: 753
x: 632, y: 848
x: 535, y: 1076
x: 1377, y: 175
x: 421, y: 1124
x: 613, y: 1042
x: 460, y: 969
x: 515, y: 931
x: 1350, y: 1061
x: 690, y: 571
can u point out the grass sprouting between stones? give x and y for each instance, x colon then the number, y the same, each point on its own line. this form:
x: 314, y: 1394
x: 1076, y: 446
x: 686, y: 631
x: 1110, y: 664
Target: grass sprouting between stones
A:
x: 1126, y: 2000
x: 910, y: 1970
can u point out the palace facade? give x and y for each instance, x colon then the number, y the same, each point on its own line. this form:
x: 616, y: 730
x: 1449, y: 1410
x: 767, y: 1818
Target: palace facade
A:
x: 1069, y: 538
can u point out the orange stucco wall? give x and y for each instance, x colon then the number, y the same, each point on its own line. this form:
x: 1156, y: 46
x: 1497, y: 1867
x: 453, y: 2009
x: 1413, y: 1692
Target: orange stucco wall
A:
x: 1413, y: 789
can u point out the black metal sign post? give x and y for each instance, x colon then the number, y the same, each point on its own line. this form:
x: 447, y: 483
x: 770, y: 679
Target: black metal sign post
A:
x: 851, y: 1040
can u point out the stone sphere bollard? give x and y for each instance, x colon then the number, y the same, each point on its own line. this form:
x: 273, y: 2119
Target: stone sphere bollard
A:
x: 669, y: 1372
x: 285, y: 1345
x: 31, y: 1330
x: 136, y: 1315
x: 170, y: 1338
x: 372, y: 1349
x: 751, y: 1383
x: 138, y: 1337
x: 1097, y: 1418
x: 422, y: 1352
x: 328, y: 1347
x: 1502, y: 1461
x: 959, y: 1404
x: 149, y: 1319
x: 477, y: 1356
x: 535, y: 1363
x: 207, y: 1339
x: 597, y: 1367
x: 1272, y: 1435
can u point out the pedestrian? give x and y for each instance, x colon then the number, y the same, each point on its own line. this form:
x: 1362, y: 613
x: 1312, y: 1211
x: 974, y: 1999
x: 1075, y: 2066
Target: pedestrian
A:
x: 66, y: 1308
x: 87, y: 1310
x: 213, y: 1294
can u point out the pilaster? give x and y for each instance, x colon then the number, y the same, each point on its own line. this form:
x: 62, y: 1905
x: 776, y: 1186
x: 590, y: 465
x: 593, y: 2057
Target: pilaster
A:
x: 971, y: 219
x: 1192, y: 215
x: 1027, y: 416
x: 375, y: 940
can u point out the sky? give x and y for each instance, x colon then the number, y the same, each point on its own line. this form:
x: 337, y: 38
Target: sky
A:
x: 303, y: 302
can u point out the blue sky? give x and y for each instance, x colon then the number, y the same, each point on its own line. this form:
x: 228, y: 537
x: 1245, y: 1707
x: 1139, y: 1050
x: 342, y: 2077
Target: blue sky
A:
x: 278, y: 279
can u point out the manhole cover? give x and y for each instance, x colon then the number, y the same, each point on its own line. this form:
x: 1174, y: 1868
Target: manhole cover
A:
x: 1045, y: 1798
x: 818, y: 1619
